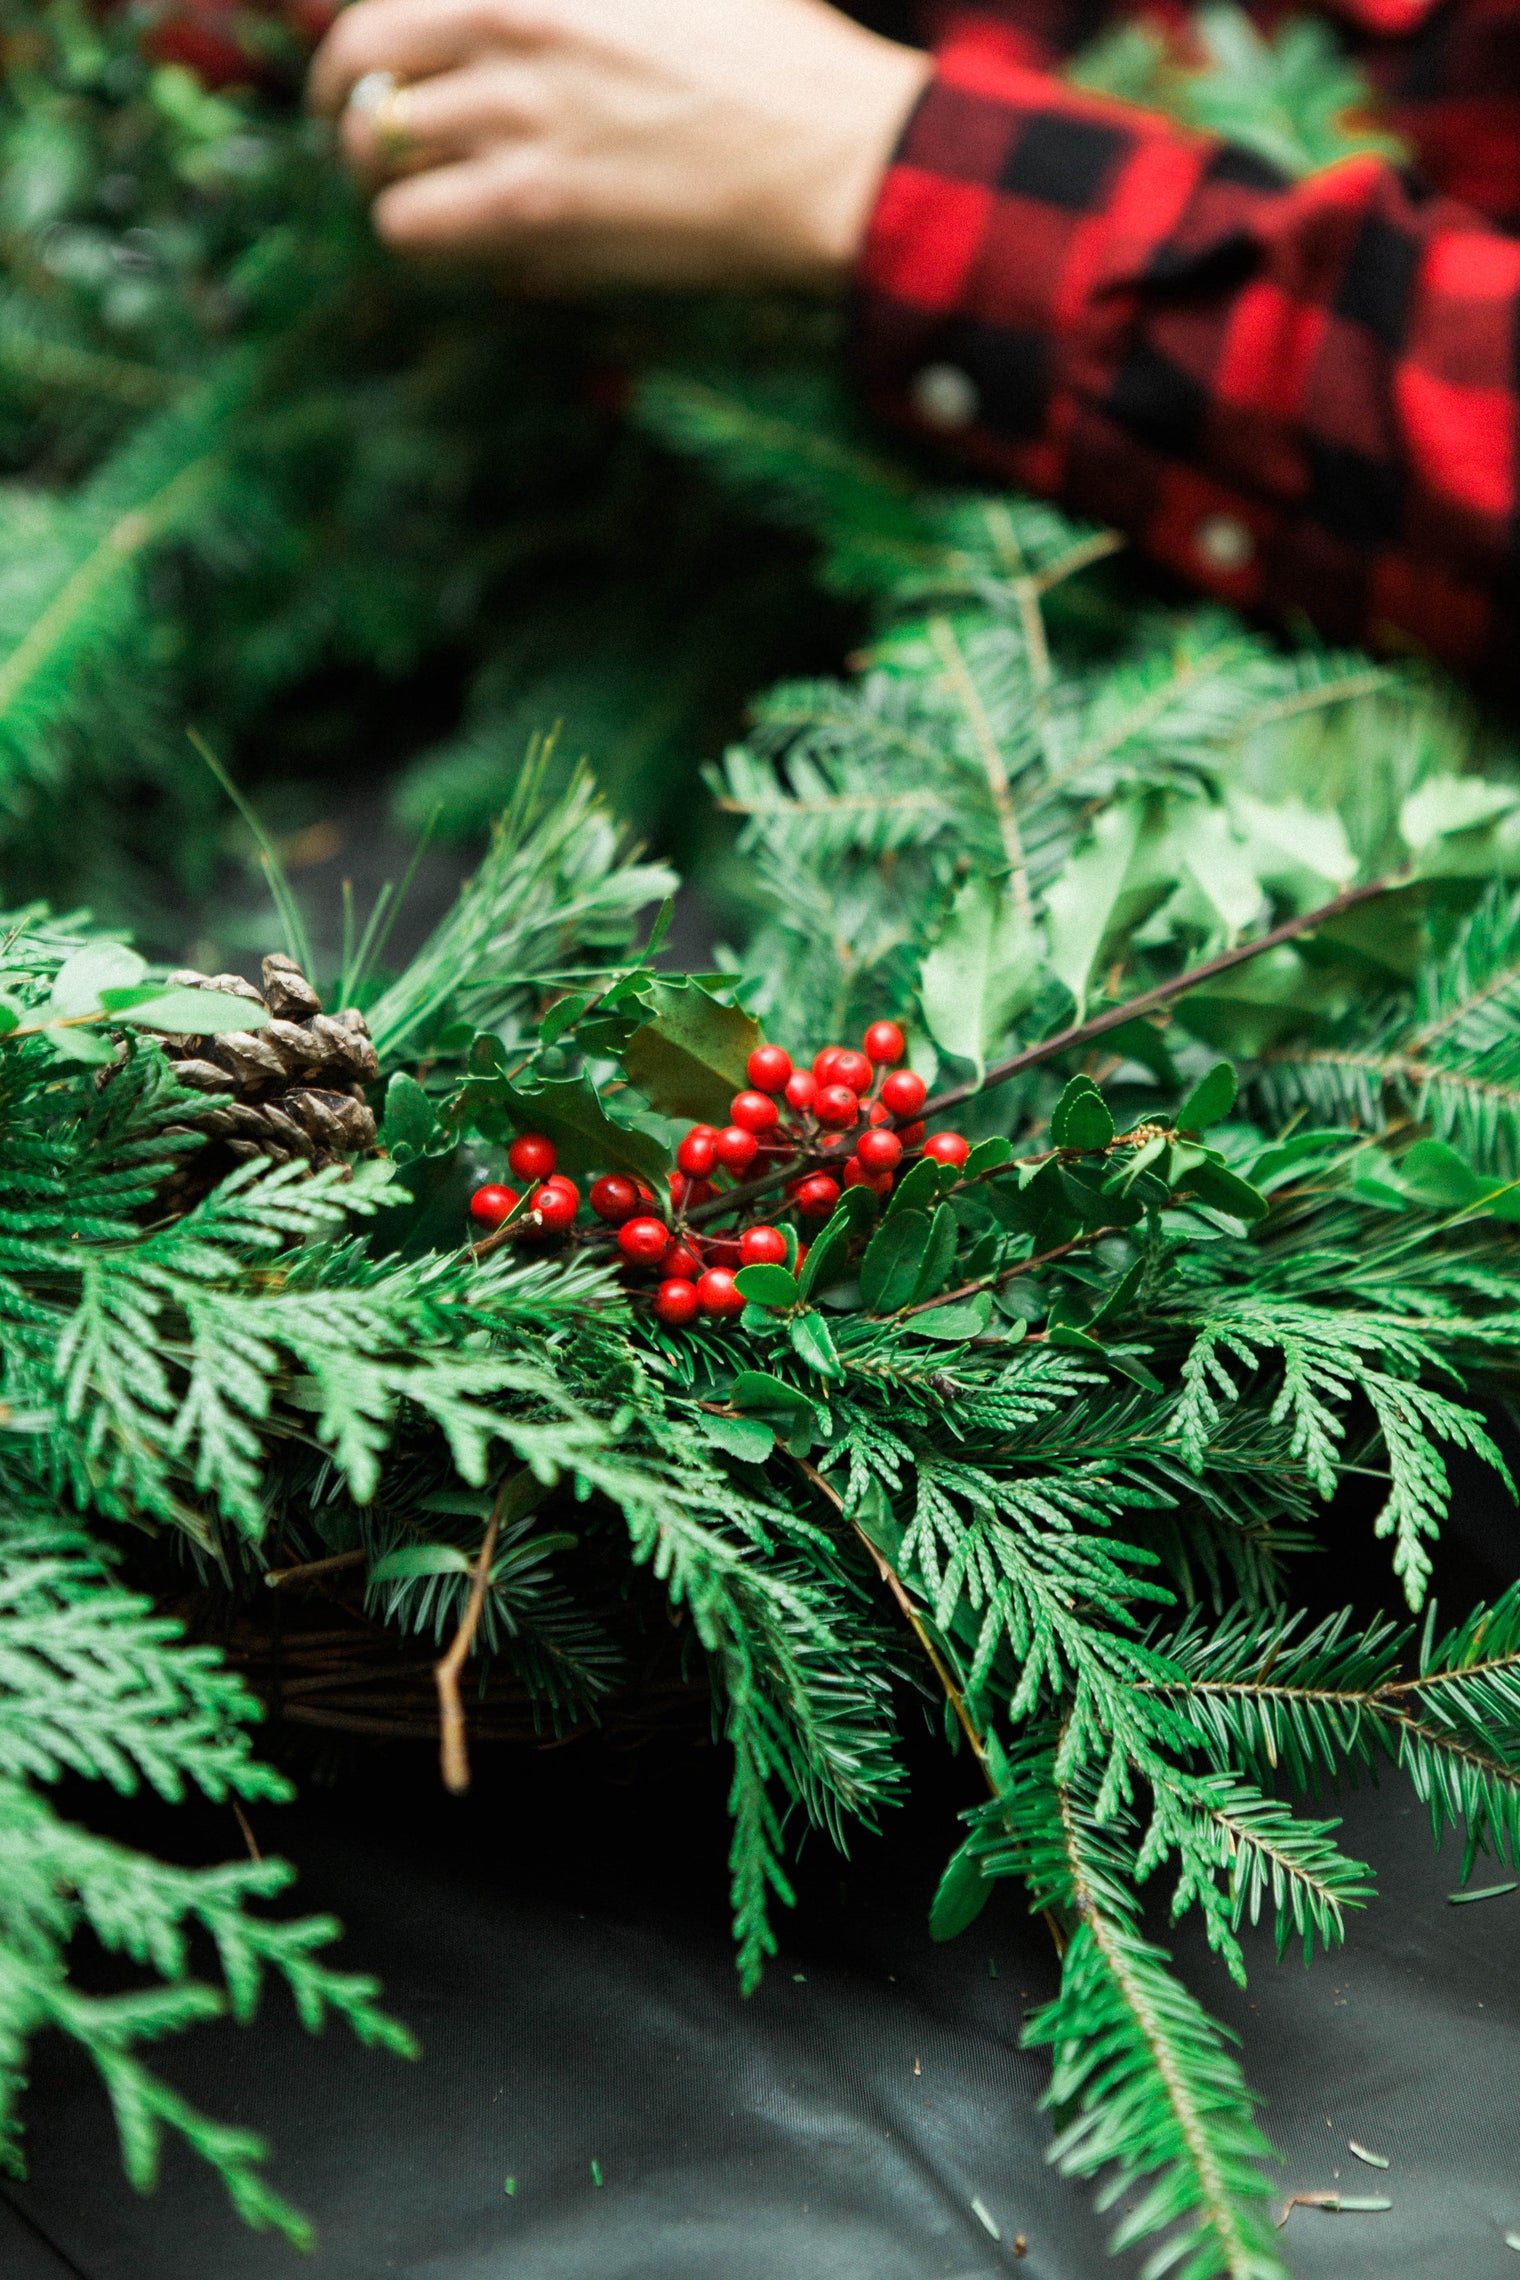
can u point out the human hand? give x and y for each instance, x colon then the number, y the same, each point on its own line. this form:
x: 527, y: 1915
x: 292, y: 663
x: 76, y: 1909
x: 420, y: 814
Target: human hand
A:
x: 584, y: 142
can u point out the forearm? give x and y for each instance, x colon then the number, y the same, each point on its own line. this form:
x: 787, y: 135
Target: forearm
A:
x: 1300, y: 396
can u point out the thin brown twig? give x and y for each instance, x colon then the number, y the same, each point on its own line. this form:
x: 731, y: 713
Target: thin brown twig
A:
x: 277, y: 1577
x: 453, y: 1752
x: 248, y: 1836
x: 1008, y: 1274
x: 1084, y: 1032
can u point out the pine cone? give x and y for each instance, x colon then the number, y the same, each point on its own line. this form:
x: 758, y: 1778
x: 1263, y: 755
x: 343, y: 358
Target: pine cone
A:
x: 294, y: 1088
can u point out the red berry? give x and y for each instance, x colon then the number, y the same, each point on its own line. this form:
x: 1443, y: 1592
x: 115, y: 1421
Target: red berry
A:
x: 856, y: 1175
x: 884, y: 1041
x: 879, y: 1151
x: 612, y: 1198
x: 816, y: 1196
x: 716, y: 1293
x: 754, y: 1111
x: 735, y: 1147
x: 490, y: 1205
x: 681, y: 1263
x: 556, y: 1205
x: 768, y: 1066
x: 911, y: 1135
x: 723, y: 1251
x: 947, y: 1148
x: 532, y: 1157
x: 762, y: 1247
x: 903, y: 1093
x: 852, y: 1069
x: 801, y: 1088
x: 823, y: 1063
x: 559, y: 1180
x: 837, y: 1106
x: 686, y: 1193
x: 645, y: 1241
x: 676, y: 1302
x: 698, y: 1153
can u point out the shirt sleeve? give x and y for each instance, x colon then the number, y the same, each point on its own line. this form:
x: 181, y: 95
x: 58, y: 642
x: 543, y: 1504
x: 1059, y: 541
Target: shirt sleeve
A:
x: 1299, y: 395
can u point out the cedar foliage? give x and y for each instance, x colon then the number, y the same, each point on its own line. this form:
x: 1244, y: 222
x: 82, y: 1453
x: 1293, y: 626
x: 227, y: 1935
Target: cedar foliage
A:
x: 1064, y: 1421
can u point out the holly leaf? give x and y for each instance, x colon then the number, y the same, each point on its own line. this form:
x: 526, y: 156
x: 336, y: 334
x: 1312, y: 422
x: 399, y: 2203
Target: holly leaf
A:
x: 568, y: 1111
x: 411, y: 1123
x: 766, y: 1284
x: 689, y: 1058
x: 1210, y: 1100
x: 982, y: 972
x: 1081, y: 1118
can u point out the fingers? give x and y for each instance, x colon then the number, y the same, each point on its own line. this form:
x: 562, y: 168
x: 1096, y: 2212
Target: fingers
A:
x: 451, y: 116
x: 498, y: 204
x: 414, y: 39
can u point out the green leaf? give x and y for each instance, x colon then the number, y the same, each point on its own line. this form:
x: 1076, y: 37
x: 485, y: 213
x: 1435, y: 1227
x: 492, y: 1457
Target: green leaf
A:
x: 421, y: 1559
x: 1210, y: 1100
x: 190, y: 1013
x: 767, y: 1285
x: 826, y: 1255
x: 1223, y: 1190
x: 1080, y: 903
x: 11, y: 1015
x: 746, y: 1438
x: 893, y: 1257
x: 87, y: 1045
x: 962, y: 1895
x: 982, y: 972
x: 757, y: 1389
x: 689, y: 1058
x: 411, y: 1122
x: 99, y: 966
x: 939, y: 1254
x: 1081, y: 1118
x: 966, y: 1318
x: 813, y: 1343
x: 916, y: 1190
x: 568, y: 1111
x: 987, y: 1156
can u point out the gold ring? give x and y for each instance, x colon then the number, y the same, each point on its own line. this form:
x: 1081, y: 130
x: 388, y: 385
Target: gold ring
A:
x: 375, y: 97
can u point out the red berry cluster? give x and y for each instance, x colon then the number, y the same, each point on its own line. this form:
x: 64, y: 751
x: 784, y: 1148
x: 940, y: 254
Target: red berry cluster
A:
x: 844, y: 1115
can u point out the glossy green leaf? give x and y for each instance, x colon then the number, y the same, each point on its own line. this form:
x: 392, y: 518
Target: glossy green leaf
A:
x: 1224, y: 1190
x: 964, y: 1318
x: 568, y: 1111
x: 939, y: 1254
x: 1081, y: 1117
x: 189, y: 1013
x: 421, y: 1559
x: 813, y: 1343
x: 411, y: 1121
x: 826, y: 1256
x: 689, y: 1058
x: 987, y: 1156
x: 893, y: 1258
x: 1210, y: 1100
x: 766, y: 1285
x: 746, y: 1438
x: 982, y: 972
x: 917, y: 1190
x: 962, y: 1894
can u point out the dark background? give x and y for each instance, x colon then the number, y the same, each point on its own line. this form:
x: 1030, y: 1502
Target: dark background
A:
x: 558, y: 1942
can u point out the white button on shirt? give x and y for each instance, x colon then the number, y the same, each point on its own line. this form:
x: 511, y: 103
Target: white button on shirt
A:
x: 1223, y: 543
x: 944, y: 397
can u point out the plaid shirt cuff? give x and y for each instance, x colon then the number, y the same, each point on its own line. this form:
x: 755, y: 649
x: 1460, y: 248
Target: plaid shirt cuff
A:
x: 1299, y: 396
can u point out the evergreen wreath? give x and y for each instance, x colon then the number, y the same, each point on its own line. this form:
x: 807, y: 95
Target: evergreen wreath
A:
x: 1015, y: 1378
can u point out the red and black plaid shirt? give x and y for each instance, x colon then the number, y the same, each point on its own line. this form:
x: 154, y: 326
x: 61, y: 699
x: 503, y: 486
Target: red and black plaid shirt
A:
x: 1300, y: 395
